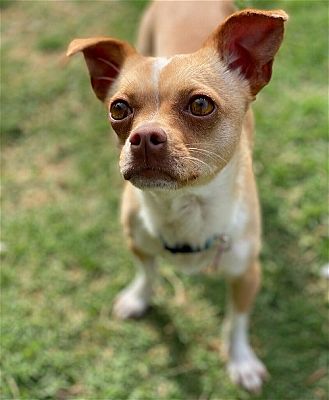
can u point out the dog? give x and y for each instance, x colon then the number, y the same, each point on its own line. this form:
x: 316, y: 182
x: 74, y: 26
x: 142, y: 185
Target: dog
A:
x: 181, y: 110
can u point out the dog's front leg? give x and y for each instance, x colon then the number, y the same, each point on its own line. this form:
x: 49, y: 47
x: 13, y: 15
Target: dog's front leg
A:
x: 244, y: 367
x: 134, y: 300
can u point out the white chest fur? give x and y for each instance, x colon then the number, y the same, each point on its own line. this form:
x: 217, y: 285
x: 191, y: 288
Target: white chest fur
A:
x: 196, y: 214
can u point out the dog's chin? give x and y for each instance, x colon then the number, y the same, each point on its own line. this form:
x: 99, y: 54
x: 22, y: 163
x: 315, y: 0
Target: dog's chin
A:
x: 154, y: 179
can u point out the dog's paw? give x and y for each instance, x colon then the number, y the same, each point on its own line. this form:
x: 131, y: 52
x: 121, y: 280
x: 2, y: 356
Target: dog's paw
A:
x: 129, y: 305
x: 248, y: 371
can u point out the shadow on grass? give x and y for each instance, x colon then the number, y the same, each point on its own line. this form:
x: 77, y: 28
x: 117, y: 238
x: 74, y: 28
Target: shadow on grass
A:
x: 187, y: 378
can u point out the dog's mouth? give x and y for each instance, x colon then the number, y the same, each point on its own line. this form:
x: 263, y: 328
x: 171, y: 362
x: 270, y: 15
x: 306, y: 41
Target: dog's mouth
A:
x: 151, y: 177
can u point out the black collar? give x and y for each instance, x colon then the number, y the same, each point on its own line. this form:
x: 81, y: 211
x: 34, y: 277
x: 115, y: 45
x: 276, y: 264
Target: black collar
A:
x: 188, y: 249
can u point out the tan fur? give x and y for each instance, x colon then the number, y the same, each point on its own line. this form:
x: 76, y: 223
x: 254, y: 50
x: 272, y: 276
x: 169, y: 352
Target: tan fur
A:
x: 191, y: 179
x: 165, y: 24
x: 245, y: 287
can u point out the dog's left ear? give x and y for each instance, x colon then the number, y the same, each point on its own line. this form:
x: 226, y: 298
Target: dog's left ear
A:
x: 248, y: 41
x: 104, y: 57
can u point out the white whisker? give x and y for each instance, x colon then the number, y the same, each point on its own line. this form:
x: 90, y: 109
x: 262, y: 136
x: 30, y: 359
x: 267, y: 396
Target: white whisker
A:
x: 197, y: 161
x: 207, y: 152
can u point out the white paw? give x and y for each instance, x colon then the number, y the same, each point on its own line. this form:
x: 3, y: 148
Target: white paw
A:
x: 129, y: 304
x: 247, y: 371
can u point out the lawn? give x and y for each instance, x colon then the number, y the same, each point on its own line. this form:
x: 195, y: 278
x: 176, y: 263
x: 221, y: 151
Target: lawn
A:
x: 62, y: 255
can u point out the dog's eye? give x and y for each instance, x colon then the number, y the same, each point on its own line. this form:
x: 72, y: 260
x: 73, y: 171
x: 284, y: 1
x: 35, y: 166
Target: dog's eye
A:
x: 119, y: 110
x: 201, y: 106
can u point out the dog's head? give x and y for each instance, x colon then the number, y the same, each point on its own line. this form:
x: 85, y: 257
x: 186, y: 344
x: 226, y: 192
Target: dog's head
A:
x: 179, y: 119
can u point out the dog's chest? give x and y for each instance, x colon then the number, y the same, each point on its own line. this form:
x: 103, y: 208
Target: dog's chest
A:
x: 190, y: 217
x: 189, y: 221
x: 192, y: 220
x: 182, y: 217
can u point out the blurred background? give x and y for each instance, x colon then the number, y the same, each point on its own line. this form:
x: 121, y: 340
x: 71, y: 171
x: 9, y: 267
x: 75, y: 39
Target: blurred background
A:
x: 63, y: 257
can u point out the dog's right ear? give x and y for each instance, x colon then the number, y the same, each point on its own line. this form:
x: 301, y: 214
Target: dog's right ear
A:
x: 104, y: 58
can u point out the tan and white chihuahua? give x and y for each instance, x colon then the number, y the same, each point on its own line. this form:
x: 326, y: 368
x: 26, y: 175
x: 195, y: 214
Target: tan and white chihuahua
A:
x: 181, y: 110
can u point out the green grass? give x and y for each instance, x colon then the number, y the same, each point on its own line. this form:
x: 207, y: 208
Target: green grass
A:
x: 65, y: 259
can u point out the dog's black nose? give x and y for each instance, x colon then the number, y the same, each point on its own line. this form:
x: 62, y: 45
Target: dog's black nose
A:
x: 148, y: 141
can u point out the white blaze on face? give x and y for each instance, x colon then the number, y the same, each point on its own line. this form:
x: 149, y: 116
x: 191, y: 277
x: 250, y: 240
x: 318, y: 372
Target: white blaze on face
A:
x: 158, y: 65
